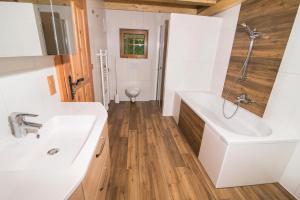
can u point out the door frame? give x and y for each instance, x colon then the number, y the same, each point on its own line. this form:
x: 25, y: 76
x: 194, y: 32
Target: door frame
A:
x: 159, y: 63
x: 164, y: 47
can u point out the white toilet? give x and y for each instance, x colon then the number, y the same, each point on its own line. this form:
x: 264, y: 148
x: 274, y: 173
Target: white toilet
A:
x: 132, y: 93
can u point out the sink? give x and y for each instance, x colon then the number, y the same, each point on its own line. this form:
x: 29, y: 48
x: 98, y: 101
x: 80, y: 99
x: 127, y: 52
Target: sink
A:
x: 61, y: 140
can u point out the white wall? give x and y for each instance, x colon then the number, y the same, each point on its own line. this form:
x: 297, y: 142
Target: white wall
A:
x: 230, y: 19
x: 133, y: 72
x: 97, y: 36
x: 283, y: 109
x: 24, y: 88
x: 192, y: 47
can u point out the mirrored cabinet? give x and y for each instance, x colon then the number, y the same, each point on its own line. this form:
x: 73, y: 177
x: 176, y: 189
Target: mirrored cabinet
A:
x: 36, y: 28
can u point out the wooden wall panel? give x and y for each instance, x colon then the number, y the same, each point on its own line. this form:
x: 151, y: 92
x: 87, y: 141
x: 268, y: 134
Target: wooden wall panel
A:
x: 275, y: 19
x: 191, y: 126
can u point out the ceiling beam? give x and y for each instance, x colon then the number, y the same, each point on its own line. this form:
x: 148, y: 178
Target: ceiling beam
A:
x: 148, y: 8
x: 55, y: 2
x: 180, y: 2
x: 221, y: 6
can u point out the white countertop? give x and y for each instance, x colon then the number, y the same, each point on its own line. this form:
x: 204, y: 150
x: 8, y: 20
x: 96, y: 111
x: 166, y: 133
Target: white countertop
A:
x: 55, y: 184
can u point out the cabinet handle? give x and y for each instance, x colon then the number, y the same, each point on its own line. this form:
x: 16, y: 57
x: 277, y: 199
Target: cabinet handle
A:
x: 104, y: 180
x: 101, y: 148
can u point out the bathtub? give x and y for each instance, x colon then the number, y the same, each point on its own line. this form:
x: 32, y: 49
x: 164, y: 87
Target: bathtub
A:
x: 243, y: 150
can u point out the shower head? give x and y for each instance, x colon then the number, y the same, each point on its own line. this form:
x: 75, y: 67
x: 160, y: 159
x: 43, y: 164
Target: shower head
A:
x: 246, y: 27
x: 252, y: 33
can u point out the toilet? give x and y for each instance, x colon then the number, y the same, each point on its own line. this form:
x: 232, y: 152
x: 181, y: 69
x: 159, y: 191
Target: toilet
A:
x: 132, y: 93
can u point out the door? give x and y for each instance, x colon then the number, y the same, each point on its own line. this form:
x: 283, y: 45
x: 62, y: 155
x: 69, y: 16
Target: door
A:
x: 75, y: 71
x: 163, y: 39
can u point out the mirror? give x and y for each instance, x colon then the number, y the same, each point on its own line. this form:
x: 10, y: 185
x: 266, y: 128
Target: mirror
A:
x: 57, y: 25
x: 36, y: 28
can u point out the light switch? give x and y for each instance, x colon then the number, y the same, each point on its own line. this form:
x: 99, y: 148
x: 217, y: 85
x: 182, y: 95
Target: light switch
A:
x: 51, y: 84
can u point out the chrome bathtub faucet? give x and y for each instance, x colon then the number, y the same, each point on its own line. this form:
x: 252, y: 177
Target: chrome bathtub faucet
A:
x: 20, y: 127
x: 243, y: 98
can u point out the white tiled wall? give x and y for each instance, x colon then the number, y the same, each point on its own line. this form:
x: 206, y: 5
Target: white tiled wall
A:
x: 24, y: 88
x: 133, y: 72
x: 98, y: 40
x: 283, y: 109
x: 230, y: 19
x: 192, y: 47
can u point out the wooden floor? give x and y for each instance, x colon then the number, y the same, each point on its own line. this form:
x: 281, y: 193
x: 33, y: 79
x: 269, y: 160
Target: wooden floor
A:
x: 151, y: 160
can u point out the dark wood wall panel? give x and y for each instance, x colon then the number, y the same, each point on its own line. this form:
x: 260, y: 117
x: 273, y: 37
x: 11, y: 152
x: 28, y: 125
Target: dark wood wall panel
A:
x: 274, y: 18
x: 192, y: 127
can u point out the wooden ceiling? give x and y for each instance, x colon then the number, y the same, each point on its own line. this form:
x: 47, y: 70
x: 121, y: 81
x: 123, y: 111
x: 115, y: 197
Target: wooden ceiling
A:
x: 194, y: 3
x: 167, y: 6
x: 194, y: 7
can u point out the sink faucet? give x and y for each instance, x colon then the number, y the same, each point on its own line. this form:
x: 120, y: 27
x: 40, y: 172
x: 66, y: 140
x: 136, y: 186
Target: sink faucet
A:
x: 20, y: 127
x: 243, y: 98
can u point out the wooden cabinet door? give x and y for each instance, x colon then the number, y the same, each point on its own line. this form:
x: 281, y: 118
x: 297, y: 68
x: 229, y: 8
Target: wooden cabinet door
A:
x: 92, y: 181
x: 78, y: 66
x: 105, y: 176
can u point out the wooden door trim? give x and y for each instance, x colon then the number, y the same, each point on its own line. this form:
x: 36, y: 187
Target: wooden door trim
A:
x: 165, y: 52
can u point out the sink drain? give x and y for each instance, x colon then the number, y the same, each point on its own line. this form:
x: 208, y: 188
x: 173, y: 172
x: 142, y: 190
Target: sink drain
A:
x: 53, y: 151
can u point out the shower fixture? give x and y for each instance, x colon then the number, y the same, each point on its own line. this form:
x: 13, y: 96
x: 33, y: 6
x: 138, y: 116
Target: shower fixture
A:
x: 243, y: 98
x: 253, y: 34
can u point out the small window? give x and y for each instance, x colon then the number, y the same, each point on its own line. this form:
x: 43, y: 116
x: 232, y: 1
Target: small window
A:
x: 133, y: 43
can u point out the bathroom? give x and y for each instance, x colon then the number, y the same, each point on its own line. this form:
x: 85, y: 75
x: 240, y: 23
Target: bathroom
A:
x: 203, y: 106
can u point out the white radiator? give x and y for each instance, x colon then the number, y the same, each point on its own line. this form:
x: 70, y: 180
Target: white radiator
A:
x: 104, y: 70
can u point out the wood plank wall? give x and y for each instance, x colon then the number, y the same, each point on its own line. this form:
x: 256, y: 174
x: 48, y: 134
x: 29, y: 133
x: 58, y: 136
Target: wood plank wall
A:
x: 191, y: 126
x: 275, y: 19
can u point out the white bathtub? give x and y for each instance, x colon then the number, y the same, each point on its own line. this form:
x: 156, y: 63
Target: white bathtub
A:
x: 240, y: 151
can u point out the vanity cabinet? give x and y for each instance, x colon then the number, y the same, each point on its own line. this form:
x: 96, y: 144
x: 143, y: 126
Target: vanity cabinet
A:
x: 104, y: 180
x: 95, y: 183
x: 78, y: 194
x: 191, y: 126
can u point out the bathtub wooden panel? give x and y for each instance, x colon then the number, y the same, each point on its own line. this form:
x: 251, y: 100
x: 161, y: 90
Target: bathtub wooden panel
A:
x: 275, y: 19
x: 191, y: 126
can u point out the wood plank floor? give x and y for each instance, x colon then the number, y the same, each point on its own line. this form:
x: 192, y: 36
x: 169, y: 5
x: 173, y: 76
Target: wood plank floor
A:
x: 151, y: 160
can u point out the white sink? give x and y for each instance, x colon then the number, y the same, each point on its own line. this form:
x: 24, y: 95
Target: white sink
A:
x: 65, y: 133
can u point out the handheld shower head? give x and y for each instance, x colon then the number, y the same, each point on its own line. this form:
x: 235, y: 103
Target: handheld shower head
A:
x: 246, y: 27
x: 243, y: 24
x: 252, y: 33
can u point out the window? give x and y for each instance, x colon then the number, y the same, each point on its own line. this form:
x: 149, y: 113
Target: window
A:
x: 133, y: 43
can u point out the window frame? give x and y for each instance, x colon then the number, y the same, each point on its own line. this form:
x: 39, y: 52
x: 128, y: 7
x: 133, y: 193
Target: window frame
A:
x: 133, y: 31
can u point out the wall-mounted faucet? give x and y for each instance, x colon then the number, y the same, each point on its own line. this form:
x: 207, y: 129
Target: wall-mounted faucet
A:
x: 243, y: 98
x: 20, y: 127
